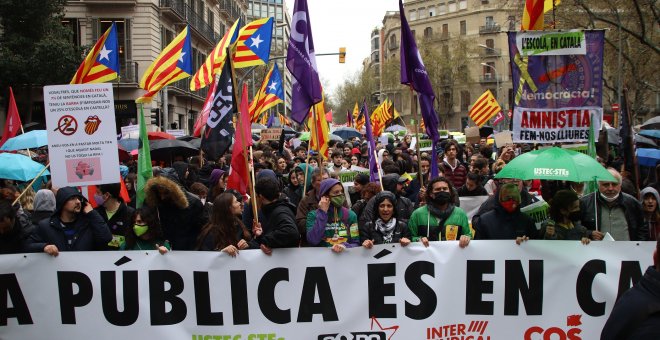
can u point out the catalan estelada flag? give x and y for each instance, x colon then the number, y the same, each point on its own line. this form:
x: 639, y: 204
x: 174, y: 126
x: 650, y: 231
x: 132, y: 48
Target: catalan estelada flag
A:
x: 253, y: 44
x: 174, y: 63
x: 215, y: 60
x: 318, y: 125
x: 382, y: 116
x: 484, y: 108
x: 284, y: 120
x: 270, y: 94
x: 101, y: 63
x: 533, y: 15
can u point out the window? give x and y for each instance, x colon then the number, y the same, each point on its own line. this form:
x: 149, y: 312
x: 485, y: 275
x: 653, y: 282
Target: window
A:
x: 74, y: 26
x: 445, y: 101
x: 431, y: 11
x: 465, y: 100
x: 422, y: 13
x: 490, y: 43
x: 428, y: 32
x: 413, y: 33
x: 442, y: 9
x: 445, y: 30
x: 463, y: 27
x: 412, y: 15
x: 490, y: 22
x: 452, y: 6
x: 512, y: 22
x: 462, y: 4
x: 393, y: 40
x: 445, y: 51
x: 211, y: 20
x: 278, y: 14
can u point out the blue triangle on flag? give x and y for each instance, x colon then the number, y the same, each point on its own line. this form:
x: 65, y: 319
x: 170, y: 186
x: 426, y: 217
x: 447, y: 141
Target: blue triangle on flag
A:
x: 259, y: 41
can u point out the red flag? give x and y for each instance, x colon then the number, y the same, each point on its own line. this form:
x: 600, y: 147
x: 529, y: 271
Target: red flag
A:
x: 328, y: 116
x: 204, y: 115
x: 13, y: 123
x: 238, y: 173
x: 123, y: 193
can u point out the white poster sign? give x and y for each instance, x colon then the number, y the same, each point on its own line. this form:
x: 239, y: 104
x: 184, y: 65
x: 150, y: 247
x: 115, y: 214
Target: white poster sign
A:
x: 489, y: 290
x: 82, y: 142
x: 554, y: 125
x: 177, y: 132
x: 130, y: 131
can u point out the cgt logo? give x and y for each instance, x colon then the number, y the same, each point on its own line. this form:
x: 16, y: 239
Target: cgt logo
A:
x: 354, y: 336
x: 572, y: 333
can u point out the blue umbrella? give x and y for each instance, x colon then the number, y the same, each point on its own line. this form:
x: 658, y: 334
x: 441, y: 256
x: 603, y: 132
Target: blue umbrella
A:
x: 28, y: 140
x: 648, y: 157
x: 346, y: 133
x: 19, y: 167
x: 650, y: 133
x: 129, y: 144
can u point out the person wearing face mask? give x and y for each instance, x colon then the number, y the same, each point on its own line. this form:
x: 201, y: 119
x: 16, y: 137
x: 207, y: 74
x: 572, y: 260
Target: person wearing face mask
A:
x: 609, y: 210
x: 505, y: 221
x: 332, y: 224
x: 565, y: 219
x: 145, y: 233
x: 439, y: 219
x: 385, y: 228
x: 116, y: 214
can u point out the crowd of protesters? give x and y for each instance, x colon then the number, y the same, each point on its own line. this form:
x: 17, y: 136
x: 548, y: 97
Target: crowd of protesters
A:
x: 300, y: 202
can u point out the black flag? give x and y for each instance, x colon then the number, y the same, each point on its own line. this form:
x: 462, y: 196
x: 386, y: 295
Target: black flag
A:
x: 216, y: 138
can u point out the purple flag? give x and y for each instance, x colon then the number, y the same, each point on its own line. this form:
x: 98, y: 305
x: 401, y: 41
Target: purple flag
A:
x: 301, y: 62
x: 373, y: 164
x: 271, y: 120
x: 414, y: 73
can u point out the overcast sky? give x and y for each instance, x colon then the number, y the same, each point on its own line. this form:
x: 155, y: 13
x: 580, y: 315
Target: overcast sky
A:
x: 343, y: 23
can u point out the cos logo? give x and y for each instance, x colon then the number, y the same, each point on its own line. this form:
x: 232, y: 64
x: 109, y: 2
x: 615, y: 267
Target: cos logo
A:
x: 556, y: 333
x: 354, y: 336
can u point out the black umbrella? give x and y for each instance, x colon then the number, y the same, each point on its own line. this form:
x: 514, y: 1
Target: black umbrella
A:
x: 186, y: 138
x: 485, y: 131
x: 287, y: 130
x: 168, y: 149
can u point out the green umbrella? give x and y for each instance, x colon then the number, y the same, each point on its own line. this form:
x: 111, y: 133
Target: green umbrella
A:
x: 556, y: 164
x: 304, y: 136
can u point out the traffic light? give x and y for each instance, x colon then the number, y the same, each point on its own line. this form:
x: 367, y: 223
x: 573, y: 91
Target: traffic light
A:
x: 342, y: 55
x: 155, y: 117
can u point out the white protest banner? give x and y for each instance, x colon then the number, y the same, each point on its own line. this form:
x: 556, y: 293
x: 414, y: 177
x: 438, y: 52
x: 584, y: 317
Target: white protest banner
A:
x: 554, y: 125
x: 551, y: 43
x: 82, y: 142
x: 488, y: 290
x: 176, y: 132
x: 130, y: 131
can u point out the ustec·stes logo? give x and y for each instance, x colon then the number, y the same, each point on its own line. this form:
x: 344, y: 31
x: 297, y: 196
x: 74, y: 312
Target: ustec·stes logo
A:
x: 573, y: 333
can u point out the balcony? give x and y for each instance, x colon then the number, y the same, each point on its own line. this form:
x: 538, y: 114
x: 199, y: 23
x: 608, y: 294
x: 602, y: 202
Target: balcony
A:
x: 440, y: 36
x: 128, y: 72
x: 489, y: 78
x: 490, y: 52
x: 180, y: 11
x: 489, y: 28
x: 182, y: 89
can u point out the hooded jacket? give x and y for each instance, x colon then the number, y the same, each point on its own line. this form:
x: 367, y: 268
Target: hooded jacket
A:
x: 89, y: 230
x: 632, y: 209
x: 652, y: 224
x: 44, y: 205
x: 404, y: 207
x: 492, y: 202
x: 279, y: 225
x: 370, y: 232
x: 636, y: 315
x: 181, y: 213
x: 16, y: 240
x: 340, y: 222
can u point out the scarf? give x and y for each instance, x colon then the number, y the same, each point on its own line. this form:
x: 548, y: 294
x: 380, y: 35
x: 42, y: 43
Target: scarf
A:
x: 440, y: 214
x: 386, y: 229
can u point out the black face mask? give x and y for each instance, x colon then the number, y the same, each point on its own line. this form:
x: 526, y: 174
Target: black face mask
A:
x: 575, y: 215
x: 440, y: 198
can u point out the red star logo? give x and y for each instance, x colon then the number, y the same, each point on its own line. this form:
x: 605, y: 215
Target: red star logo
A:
x: 394, y: 328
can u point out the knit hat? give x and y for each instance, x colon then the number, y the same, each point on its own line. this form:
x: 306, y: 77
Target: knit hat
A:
x: 326, y: 185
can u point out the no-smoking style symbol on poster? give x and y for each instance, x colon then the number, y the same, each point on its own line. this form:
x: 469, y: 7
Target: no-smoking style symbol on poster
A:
x: 67, y: 125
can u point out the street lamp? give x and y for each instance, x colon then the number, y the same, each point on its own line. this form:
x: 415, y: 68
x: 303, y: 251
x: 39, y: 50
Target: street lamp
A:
x: 497, y: 79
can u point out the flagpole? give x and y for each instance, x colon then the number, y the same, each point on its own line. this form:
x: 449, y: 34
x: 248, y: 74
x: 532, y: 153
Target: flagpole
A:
x: 419, y: 154
x: 318, y: 140
x: 253, y: 197
x: 29, y: 185
x: 309, y: 147
x: 380, y: 176
x: 26, y: 149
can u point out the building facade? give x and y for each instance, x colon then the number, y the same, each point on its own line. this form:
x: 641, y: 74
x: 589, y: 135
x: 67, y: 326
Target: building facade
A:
x: 468, y: 49
x: 276, y: 9
x: 144, y: 28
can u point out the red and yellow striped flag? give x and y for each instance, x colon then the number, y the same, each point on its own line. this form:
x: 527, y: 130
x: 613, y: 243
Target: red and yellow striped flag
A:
x: 533, y: 15
x: 253, y: 43
x: 358, y: 119
x: 174, y: 63
x: 215, y: 60
x: 318, y: 126
x: 484, y: 108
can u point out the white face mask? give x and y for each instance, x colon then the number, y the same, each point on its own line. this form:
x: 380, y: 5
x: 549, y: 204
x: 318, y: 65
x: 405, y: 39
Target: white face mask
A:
x: 203, y: 200
x: 610, y: 199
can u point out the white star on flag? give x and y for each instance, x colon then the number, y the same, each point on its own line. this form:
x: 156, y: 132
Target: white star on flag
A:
x: 256, y: 41
x: 181, y: 56
x: 105, y: 54
x: 272, y: 86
